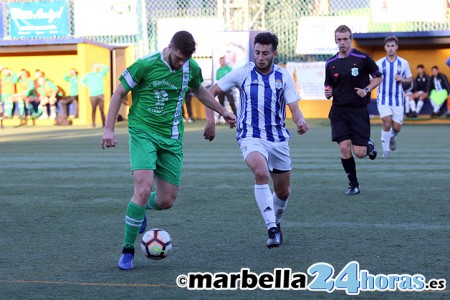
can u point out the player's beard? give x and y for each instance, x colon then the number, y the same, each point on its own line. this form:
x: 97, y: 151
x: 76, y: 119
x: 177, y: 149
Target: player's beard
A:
x: 266, y: 69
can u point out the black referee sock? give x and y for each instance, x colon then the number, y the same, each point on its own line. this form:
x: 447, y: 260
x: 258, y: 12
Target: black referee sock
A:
x: 350, y: 168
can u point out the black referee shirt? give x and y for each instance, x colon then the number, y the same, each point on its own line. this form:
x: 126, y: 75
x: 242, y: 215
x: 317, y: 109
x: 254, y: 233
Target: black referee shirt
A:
x: 346, y: 74
x: 422, y: 83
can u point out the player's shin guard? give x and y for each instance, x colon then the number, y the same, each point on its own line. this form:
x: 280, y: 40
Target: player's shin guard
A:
x: 279, y: 207
x: 133, y: 221
x: 151, y: 204
x: 264, y: 200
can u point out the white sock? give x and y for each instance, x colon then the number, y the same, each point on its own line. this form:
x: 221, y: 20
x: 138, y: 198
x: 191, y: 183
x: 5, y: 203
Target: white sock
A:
x: 385, y: 140
x: 419, y: 106
x: 264, y: 199
x: 412, y: 105
x: 279, y: 207
x: 407, y: 102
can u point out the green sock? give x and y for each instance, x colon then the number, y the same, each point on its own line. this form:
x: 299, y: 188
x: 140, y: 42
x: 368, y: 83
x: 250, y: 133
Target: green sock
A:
x: 151, y: 204
x: 133, y: 221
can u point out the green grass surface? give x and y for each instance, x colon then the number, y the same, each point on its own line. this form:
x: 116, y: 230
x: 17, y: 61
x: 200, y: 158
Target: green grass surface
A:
x: 63, y: 201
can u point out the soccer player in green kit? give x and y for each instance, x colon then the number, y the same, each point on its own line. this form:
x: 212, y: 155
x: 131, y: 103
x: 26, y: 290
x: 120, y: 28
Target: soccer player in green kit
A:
x: 158, y: 83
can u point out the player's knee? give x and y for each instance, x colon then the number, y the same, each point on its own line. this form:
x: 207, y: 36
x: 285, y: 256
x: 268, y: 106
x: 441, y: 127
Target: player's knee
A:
x: 283, y: 194
x: 261, y: 176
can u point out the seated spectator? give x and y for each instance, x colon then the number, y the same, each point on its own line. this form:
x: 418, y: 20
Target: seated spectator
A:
x: 48, y: 97
x: 24, y: 93
x: 439, y: 90
x: 420, y: 92
x: 72, y: 79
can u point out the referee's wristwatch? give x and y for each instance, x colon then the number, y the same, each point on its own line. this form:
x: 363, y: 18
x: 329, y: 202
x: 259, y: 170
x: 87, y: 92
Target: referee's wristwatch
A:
x: 366, y: 89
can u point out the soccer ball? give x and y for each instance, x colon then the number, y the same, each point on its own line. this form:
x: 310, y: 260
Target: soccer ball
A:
x: 156, y: 243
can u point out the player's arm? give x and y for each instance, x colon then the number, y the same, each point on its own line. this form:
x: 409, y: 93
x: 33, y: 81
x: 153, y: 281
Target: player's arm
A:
x: 204, y: 95
x: 109, y: 137
x: 298, y: 118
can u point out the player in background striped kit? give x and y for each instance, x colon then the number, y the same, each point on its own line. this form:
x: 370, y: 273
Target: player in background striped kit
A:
x: 390, y: 96
x: 265, y: 90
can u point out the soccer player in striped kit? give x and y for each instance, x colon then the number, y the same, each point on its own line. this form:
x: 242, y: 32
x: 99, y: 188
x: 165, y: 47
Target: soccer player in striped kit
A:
x: 265, y: 90
x: 390, y: 96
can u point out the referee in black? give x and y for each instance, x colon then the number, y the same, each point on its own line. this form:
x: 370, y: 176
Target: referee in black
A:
x: 347, y: 80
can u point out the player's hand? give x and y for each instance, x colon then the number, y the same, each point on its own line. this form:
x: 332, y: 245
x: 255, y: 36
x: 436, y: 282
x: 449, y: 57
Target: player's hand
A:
x: 302, y: 127
x: 361, y: 92
x: 209, y: 132
x: 230, y: 118
x: 109, y: 139
x: 328, y: 92
x: 398, y: 78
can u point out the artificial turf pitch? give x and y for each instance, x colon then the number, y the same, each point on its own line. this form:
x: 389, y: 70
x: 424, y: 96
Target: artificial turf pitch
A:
x: 63, y: 201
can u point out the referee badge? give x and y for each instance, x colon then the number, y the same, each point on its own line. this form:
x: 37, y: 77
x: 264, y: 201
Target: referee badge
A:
x: 355, y: 72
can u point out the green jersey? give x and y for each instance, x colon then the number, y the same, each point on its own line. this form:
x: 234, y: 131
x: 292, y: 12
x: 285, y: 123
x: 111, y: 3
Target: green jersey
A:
x: 73, y: 84
x: 158, y: 92
x: 222, y: 72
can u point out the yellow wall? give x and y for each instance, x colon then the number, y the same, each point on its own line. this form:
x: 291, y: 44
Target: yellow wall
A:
x: 56, y: 65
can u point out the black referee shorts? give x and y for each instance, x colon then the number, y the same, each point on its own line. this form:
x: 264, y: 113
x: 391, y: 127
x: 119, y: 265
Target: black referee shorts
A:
x: 350, y: 123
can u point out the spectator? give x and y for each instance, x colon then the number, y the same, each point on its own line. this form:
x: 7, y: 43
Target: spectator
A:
x: 1, y: 102
x: 94, y: 81
x: 420, y: 92
x: 221, y: 72
x: 439, y: 90
x: 24, y: 92
x: 188, y: 101
x: 72, y: 78
x: 9, y: 78
x: 390, y: 98
x: 48, y: 98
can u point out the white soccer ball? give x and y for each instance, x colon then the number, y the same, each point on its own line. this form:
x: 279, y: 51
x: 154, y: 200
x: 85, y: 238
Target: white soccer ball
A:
x: 156, y: 243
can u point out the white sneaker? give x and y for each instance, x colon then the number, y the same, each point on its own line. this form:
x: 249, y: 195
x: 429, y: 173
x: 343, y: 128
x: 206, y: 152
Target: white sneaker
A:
x: 43, y: 117
x: 52, y: 116
x: 387, y: 154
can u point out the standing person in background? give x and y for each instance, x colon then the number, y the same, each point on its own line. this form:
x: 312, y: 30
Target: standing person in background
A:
x: 221, y: 72
x: 94, y: 81
x: 72, y: 78
x: 439, y: 91
x: 188, y: 101
x: 266, y: 89
x: 390, y: 96
x: 9, y: 79
x: 158, y: 83
x: 1, y: 101
x: 347, y: 80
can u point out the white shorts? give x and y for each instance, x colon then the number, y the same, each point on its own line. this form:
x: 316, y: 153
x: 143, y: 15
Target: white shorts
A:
x: 396, y: 112
x: 277, y: 154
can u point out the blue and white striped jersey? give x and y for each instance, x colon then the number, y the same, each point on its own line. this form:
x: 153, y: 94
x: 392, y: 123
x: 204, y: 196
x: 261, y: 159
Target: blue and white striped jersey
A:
x: 390, y: 92
x: 263, y: 100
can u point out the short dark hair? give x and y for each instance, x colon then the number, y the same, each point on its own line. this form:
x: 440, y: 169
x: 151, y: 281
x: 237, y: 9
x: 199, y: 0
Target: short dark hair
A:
x: 420, y: 66
x: 183, y: 41
x: 343, y: 29
x: 391, y: 38
x: 434, y: 67
x: 266, y: 38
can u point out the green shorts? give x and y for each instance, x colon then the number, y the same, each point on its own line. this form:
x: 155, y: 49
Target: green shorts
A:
x: 150, y: 151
